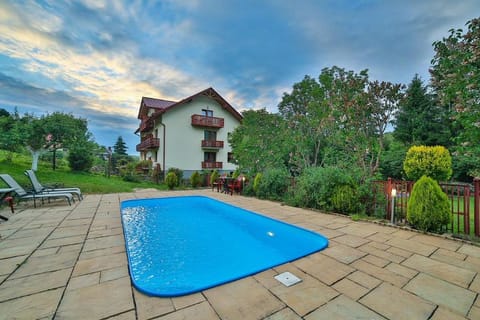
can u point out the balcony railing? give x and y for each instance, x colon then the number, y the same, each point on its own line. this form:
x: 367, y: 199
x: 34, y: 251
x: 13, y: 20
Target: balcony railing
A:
x: 212, y: 144
x: 202, y: 121
x: 212, y: 165
x: 146, y: 125
x: 149, y: 143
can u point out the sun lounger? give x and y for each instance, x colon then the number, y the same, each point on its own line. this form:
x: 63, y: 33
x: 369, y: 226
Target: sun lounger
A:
x: 24, y: 195
x: 39, y: 188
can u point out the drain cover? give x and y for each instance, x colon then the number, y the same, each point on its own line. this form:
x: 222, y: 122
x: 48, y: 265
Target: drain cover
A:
x: 287, y: 279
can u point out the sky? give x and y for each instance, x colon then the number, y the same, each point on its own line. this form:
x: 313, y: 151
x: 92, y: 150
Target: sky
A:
x: 96, y: 59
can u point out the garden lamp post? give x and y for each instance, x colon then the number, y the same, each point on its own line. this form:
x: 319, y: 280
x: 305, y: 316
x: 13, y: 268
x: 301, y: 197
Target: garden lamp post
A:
x: 243, y: 183
x: 393, y: 194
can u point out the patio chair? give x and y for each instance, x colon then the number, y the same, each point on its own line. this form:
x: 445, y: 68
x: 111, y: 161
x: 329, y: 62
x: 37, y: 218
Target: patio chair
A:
x: 39, y: 188
x: 24, y: 195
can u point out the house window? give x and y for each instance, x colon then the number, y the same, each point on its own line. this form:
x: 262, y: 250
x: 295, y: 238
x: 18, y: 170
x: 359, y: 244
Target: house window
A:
x: 207, y: 113
x: 230, y: 157
x: 210, y: 135
x: 210, y: 157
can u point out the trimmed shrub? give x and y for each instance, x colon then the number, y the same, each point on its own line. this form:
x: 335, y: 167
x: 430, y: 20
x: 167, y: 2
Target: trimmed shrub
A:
x: 171, y: 180
x: 428, y: 208
x: 80, y: 159
x: 256, y: 182
x: 316, y: 186
x: 274, y: 184
x: 196, y: 179
x: 345, y: 200
x: 213, y: 177
x: 178, y: 174
x: 434, y: 162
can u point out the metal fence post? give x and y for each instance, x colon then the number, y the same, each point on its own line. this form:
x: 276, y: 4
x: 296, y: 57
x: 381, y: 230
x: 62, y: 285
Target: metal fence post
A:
x: 476, y: 205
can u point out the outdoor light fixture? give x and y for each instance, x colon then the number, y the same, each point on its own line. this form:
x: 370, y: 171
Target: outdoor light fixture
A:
x: 393, y: 194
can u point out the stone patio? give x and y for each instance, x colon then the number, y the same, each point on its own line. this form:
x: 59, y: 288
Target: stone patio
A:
x: 69, y: 262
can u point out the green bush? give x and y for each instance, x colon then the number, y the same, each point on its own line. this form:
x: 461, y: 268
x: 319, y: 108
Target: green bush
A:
x: 345, y: 199
x: 213, y: 177
x: 196, y: 179
x: 178, y: 174
x: 274, y: 184
x: 171, y: 180
x: 256, y: 182
x: 428, y: 208
x: 80, y: 159
x: 434, y: 162
x: 316, y: 186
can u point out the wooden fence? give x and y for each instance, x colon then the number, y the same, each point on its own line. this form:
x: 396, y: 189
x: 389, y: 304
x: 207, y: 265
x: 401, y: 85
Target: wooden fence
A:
x: 464, y: 203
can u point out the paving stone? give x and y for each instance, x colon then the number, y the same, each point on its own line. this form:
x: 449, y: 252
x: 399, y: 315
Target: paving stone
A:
x: 376, y: 261
x: 36, y: 265
x: 402, y: 270
x: 114, y: 273
x: 244, y: 299
x: 436, y: 241
x: 403, y: 234
x: 391, y: 302
x: 284, y: 314
x: 330, y: 233
x: 100, y: 263
x: 325, y: 269
x: 101, y: 252
x: 457, y: 259
x: 364, y: 279
x: 351, y: 289
x: 16, y: 288
x: 380, y: 273
x: 412, y: 246
x: 130, y: 315
x: 35, y: 306
x: 8, y: 265
x: 474, y: 313
x: 379, y: 245
x: 343, y: 308
x: 63, y: 241
x: 351, y: 240
x: 441, y: 270
x: 368, y: 248
x: 266, y: 278
x: 442, y: 293
x: 104, y: 242
x: 83, y: 281
x: 445, y: 314
x: 188, y: 300
x: 149, y: 307
x: 399, y: 252
x: 96, y: 302
x: 380, y: 237
x: 27, y: 233
x: 470, y: 250
x: 475, y: 285
x: 75, y: 222
x: 361, y: 229
x: 201, y: 311
x: 343, y: 253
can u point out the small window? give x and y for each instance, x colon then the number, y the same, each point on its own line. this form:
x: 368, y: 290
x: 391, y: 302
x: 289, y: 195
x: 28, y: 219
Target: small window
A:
x: 207, y: 113
x: 230, y: 157
x: 210, y: 135
x: 210, y: 157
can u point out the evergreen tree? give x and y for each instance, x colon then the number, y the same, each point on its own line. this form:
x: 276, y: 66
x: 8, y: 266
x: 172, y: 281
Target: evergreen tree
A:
x: 120, y: 147
x: 420, y: 120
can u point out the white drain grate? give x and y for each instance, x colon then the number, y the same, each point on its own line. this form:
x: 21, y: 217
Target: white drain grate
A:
x: 287, y: 279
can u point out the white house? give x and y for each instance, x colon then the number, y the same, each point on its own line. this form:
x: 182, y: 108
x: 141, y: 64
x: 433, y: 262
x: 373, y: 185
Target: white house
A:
x: 191, y: 134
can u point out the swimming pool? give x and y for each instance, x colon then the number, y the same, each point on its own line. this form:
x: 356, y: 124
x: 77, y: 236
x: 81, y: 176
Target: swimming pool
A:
x: 181, y: 245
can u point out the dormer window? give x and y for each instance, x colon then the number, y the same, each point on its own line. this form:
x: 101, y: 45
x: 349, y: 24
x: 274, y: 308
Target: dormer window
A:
x: 207, y: 113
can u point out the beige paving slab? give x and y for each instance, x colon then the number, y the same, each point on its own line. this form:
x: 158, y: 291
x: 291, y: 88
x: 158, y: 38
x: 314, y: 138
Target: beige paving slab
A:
x: 470, y: 250
x: 376, y: 261
x: 27, y: 233
x: 49, y: 243
x: 36, y: 265
x: 343, y: 253
x: 437, y: 241
x: 380, y: 273
x: 83, y: 281
x: 350, y: 289
x: 201, y: 311
x: 442, y: 293
x: 453, y: 274
x: 114, y: 273
x: 324, y: 268
x: 382, y: 253
x: 343, y: 308
x: 100, y: 263
x: 97, y: 302
x: 364, y: 279
x: 445, y: 314
x: 149, y: 307
x: 284, y: 314
x: 188, y: 300
x: 84, y: 255
x: 8, y: 265
x: 70, y: 231
x: 245, y: 299
x: 305, y: 296
x: 19, y: 287
x: 104, y: 242
x: 352, y: 240
x: 475, y: 285
x: 36, y: 306
x: 391, y: 302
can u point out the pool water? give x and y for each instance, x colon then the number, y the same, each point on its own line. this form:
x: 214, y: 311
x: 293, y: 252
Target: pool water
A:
x: 181, y: 245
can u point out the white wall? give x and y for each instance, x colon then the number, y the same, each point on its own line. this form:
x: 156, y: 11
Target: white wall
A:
x: 183, y: 141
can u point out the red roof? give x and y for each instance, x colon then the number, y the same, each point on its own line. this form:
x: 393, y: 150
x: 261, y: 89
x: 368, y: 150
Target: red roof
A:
x: 163, y: 106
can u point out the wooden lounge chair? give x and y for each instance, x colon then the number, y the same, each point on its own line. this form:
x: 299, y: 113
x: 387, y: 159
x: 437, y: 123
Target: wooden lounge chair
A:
x: 24, y: 195
x: 39, y: 188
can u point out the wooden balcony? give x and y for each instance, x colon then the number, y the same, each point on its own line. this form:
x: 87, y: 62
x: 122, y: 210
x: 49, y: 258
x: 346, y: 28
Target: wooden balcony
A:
x: 210, y: 122
x: 212, y: 165
x: 147, y: 144
x: 212, y: 144
x: 146, y: 125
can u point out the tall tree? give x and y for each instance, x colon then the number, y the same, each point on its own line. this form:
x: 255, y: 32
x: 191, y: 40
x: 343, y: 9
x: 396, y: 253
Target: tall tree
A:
x: 120, y: 147
x: 455, y: 75
x: 420, y: 119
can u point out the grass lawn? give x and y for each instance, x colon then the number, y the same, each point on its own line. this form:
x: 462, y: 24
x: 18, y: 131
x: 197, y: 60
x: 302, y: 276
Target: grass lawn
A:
x: 87, y: 182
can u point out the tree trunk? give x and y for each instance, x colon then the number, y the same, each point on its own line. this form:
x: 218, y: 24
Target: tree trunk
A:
x: 35, y: 156
x: 54, y: 159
